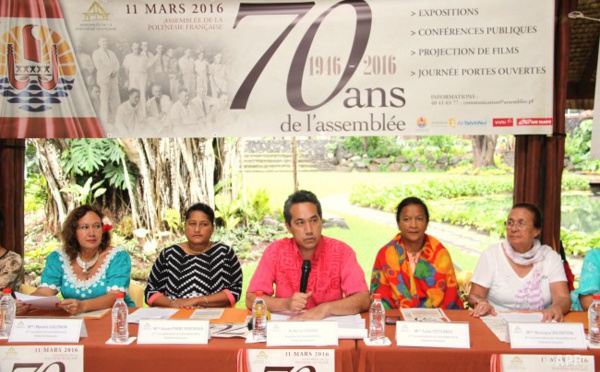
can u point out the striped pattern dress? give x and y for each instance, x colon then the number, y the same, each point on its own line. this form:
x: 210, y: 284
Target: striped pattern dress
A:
x: 176, y: 274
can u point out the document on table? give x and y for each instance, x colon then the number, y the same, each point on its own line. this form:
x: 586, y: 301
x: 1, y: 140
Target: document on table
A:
x: 150, y: 313
x: 349, y: 326
x: 344, y: 321
x: 207, y: 314
x: 39, y: 302
x: 521, y: 317
x: 96, y: 314
x: 499, y: 324
x: 230, y: 330
x: 424, y: 315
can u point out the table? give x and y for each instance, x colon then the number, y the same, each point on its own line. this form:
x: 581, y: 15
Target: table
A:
x: 484, y: 344
x: 219, y: 355
x: 351, y: 355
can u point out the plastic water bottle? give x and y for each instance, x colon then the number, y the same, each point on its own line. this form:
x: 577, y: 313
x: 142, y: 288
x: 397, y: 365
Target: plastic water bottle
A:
x: 259, y: 318
x: 120, y: 332
x: 376, y: 319
x: 8, y: 309
x: 594, y: 321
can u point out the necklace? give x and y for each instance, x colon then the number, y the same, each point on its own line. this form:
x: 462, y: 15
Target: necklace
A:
x: 86, y: 266
x: 208, y: 246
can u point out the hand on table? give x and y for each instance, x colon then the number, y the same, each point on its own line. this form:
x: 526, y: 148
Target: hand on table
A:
x: 298, y: 301
x: 71, y: 306
x: 482, y: 308
x: 185, y: 303
x: 22, y: 308
x: 552, y: 313
x: 316, y: 313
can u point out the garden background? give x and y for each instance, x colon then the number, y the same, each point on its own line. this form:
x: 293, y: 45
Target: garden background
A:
x: 468, y: 205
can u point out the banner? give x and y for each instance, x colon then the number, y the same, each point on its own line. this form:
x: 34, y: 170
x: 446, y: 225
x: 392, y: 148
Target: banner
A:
x: 43, y: 94
x: 318, y: 68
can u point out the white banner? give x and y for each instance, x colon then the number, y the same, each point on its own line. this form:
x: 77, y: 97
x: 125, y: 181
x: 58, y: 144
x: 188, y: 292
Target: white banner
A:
x: 64, y: 358
x: 291, y: 360
x: 328, y: 67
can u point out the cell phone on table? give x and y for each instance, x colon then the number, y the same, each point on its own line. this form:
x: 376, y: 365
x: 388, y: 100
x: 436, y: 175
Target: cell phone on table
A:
x: 391, y: 320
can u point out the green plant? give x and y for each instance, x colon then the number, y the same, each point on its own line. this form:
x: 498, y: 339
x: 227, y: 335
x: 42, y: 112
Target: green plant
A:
x: 578, y: 145
x: 88, y: 156
x: 86, y: 194
x: 173, y: 219
x: 36, y: 192
x: 257, y: 208
x: 35, y: 259
x: 228, y: 211
x: 125, y: 227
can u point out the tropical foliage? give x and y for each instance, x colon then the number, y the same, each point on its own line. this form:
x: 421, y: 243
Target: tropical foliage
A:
x: 578, y: 146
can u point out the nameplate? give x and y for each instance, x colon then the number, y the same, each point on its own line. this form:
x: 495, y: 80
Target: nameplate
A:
x: 47, y: 330
x: 170, y: 331
x: 533, y: 362
x: 433, y: 334
x: 547, y: 336
x: 260, y: 360
x: 67, y: 358
x: 288, y: 333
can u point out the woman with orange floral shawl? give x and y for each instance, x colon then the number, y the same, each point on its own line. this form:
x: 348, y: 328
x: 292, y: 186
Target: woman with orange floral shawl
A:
x: 414, y: 269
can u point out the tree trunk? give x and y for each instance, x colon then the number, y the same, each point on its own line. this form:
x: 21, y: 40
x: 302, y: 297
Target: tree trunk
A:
x: 171, y: 174
x: 483, y: 150
x: 48, y: 152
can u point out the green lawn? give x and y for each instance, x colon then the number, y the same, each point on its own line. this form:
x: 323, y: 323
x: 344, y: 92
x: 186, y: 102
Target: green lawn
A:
x: 280, y: 185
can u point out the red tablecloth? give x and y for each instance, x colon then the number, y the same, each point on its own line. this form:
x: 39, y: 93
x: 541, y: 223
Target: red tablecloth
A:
x: 484, y: 344
x: 219, y: 355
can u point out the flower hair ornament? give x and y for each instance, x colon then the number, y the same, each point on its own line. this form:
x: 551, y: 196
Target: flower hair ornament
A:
x: 106, y: 225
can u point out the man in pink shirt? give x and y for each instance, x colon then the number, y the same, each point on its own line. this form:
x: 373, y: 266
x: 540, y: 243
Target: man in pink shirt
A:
x: 336, y: 283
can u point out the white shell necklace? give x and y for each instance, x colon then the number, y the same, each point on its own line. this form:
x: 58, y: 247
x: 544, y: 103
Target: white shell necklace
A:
x: 86, y: 266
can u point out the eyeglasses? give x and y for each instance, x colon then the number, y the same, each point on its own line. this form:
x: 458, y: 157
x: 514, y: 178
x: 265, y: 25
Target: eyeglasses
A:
x: 85, y: 228
x: 520, y: 225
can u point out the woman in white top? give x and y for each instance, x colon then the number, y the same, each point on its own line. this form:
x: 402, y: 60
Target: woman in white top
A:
x: 519, y: 273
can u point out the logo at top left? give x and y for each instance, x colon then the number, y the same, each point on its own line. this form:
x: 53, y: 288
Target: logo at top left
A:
x: 37, y: 68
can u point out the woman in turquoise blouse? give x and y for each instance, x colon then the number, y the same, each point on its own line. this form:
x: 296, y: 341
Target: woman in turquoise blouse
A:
x: 87, y: 270
x: 589, y: 281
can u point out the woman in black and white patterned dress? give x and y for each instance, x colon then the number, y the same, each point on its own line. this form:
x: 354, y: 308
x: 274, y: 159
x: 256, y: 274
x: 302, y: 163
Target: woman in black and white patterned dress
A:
x: 198, y: 272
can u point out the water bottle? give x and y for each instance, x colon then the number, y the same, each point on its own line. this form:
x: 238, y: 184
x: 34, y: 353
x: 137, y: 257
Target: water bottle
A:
x: 259, y: 318
x: 8, y: 309
x: 377, y: 319
x: 594, y: 321
x: 120, y: 332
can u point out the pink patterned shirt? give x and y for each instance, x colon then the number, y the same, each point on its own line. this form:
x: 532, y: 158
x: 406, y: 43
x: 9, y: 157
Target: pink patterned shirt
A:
x: 335, y: 272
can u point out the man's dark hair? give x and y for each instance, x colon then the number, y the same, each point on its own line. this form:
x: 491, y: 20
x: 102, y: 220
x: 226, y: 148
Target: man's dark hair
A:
x: 301, y: 196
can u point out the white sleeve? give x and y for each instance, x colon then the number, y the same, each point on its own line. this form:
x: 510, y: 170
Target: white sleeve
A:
x: 484, y: 271
x: 555, y: 268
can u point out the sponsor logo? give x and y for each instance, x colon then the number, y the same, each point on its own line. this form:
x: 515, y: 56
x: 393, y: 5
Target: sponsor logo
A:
x: 534, y: 121
x: 472, y: 122
x: 452, y: 122
x: 96, y: 13
x: 421, y: 122
x: 38, y: 70
x: 503, y: 122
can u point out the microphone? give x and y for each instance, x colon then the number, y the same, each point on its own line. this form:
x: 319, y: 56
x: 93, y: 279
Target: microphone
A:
x: 305, y: 272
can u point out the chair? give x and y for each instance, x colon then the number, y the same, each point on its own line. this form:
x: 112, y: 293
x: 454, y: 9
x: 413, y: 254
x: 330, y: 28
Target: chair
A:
x: 136, y: 292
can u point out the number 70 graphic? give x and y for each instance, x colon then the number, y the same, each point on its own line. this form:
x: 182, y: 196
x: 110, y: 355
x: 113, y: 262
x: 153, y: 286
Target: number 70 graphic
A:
x: 296, y: 72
